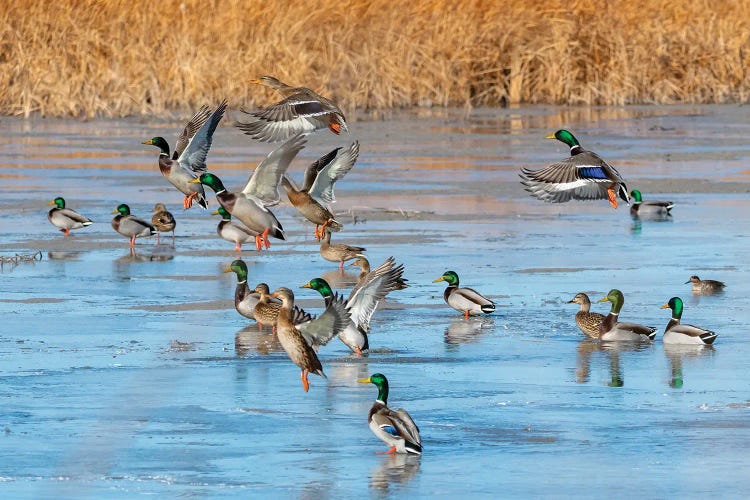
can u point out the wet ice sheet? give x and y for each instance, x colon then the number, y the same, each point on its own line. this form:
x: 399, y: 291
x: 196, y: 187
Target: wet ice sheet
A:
x: 128, y: 374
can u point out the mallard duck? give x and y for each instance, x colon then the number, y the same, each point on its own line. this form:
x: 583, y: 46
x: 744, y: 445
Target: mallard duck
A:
x: 301, y: 111
x: 649, y: 208
x: 583, y: 176
x: 363, y: 300
x: 338, y: 252
x: 313, y: 199
x: 588, y: 322
x: 613, y: 330
x: 705, y: 287
x: 163, y: 221
x: 250, y: 206
x: 251, y: 213
x: 231, y: 232
x: 680, y: 333
x: 364, y: 267
x: 66, y: 218
x: 299, y: 341
x: 189, y: 157
x: 394, y: 428
x: 129, y: 225
x: 464, y: 300
x: 244, y: 299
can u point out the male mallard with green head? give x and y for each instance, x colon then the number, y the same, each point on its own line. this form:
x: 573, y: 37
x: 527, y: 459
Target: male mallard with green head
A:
x: 129, y: 225
x: 583, y: 176
x: 66, y: 218
x: 252, y: 214
x: 651, y: 208
x: 232, y: 232
x: 613, y: 330
x: 363, y: 301
x: 301, y: 111
x: 681, y: 333
x: 394, y: 428
x: 189, y: 157
x: 464, y: 300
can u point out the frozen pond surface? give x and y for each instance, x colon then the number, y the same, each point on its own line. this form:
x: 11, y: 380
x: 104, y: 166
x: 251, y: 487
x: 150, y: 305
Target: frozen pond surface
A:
x: 126, y: 375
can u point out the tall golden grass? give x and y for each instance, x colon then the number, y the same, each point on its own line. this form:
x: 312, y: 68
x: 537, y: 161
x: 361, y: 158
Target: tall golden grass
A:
x: 125, y: 57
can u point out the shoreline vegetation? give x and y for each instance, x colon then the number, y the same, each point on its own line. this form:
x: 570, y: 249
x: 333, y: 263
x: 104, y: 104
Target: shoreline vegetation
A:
x: 116, y: 58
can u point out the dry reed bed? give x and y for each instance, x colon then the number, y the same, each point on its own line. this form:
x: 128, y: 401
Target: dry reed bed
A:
x: 116, y: 57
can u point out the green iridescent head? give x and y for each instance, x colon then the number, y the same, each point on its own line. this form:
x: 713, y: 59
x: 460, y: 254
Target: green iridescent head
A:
x: 160, y: 143
x: 211, y: 181
x: 224, y: 214
x: 565, y: 136
x: 380, y: 382
x: 320, y: 285
x: 637, y: 198
x: 58, y: 202
x: 122, y: 209
x: 675, y: 304
x: 616, y: 298
x: 240, y: 268
x: 449, y: 277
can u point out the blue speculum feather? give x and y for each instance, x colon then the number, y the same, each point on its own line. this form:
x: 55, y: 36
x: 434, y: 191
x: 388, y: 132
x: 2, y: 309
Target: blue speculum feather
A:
x: 592, y: 173
x: 390, y: 430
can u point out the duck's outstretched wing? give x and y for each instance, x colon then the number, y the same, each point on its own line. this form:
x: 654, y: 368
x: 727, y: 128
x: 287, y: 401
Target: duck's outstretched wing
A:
x: 365, y: 296
x: 192, y: 126
x: 193, y: 158
x: 263, y: 183
x: 319, y: 331
x: 584, y: 176
x: 322, y: 189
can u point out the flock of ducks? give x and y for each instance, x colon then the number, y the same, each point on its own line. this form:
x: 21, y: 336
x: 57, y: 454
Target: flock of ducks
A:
x: 582, y: 176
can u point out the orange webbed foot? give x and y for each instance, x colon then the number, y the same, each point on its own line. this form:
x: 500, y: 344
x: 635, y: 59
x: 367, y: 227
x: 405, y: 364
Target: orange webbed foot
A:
x: 305, y: 382
x: 612, y: 196
x: 389, y: 452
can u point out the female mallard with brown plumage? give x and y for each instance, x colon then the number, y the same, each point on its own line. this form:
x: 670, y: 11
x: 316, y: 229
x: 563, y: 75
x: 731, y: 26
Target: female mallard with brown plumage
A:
x: 66, y: 218
x: 681, y: 333
x: 338, y: 252
x: 163, y: 221
x: 300, y: 341
x: 613, y: 330
x: 588, y: 322
x: 583, y: 176
x: 313, y: 199
x: 394, y: 428
x: 189, y: 158
x: 464, y: 300
x: 301, y: 111
x: 706, y: 287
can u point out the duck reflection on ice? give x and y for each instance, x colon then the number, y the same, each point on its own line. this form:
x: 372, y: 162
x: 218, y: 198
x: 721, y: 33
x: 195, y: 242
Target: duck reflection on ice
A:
x: 251, y: 339
x: 612, y: 350
x: 676, y: 353
x: 395, y: 469
x: 467, y: 331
